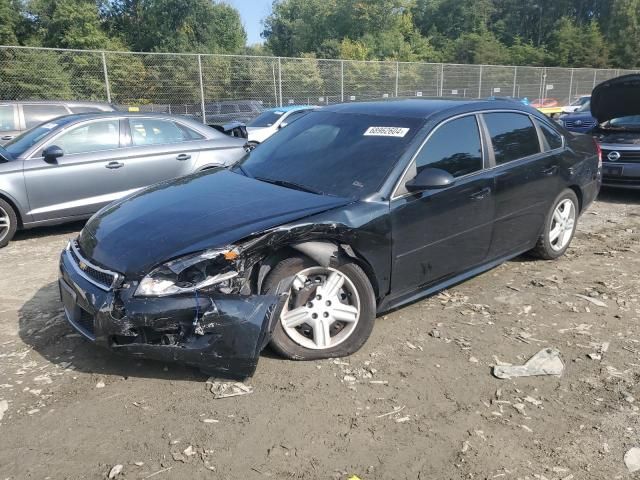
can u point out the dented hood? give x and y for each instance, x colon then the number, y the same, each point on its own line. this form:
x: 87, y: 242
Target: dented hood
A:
x: 191, y: 214
x: 615, y: 98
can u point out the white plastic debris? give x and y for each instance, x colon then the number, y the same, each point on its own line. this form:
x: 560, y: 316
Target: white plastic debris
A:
x: 595, y: 301
x: 228, y: 389
x: 115, y: 471
x: 545, y: 362
x: 632, y: 459
x: 4, y: 406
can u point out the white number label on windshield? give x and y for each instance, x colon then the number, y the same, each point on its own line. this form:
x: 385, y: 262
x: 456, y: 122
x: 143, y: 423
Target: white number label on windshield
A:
x: 386, y: 132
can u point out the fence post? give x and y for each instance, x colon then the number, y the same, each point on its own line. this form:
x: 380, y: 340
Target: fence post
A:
x: 480, y: 83
x: 280, y: 80
x: 441, y: 79
x: 397, y: 77
x: 342, y: 81
x: 204, y: 115
x: 515, y: 80
x: 571, y: 85
x: 106, y: 77
x: 595, y: 78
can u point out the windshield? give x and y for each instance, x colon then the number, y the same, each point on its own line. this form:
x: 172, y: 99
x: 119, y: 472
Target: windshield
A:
x: 22, y: 143
x: 346, y: 155
x: 266, y: 119
x: 580, y: 101
x: 586, y: 107
x: 632, y: 121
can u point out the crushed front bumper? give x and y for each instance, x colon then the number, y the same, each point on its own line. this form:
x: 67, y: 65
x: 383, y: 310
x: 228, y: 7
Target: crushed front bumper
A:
x: 218, y: 333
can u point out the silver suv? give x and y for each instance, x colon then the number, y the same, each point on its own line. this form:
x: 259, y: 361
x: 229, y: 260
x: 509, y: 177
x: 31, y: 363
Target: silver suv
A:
x: 69, y: 168
x: 18, y: 116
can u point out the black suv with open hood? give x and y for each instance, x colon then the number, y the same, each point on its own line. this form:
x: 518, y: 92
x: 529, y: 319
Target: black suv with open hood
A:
x: 616, y: 106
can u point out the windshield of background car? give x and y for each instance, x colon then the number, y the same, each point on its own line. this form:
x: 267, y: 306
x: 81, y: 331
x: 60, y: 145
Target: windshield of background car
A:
x: 24, y: 142
x: 586, y: 107
x: 341, y: 154
x: 266, y: 119
x: 632, y: 121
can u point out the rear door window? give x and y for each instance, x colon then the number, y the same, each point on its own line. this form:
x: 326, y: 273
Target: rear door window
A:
x: 37, y: 114
x: 150, y: 131
x: 513, y: 136
x: 7, y: 118
x: 551, y: 138
x: 454, y: 147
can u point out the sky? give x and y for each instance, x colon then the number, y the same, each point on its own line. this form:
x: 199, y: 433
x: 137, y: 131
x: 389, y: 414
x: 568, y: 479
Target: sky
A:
x: 252, y: 13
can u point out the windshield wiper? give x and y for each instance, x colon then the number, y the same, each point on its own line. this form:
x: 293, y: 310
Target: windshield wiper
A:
x: 292, y: 185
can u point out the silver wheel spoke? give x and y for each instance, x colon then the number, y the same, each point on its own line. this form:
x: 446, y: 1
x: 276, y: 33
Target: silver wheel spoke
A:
x: 555, y: 233
x: 322, y: 333
x: 344, y: 313
x: 296, y: 317
x: 557, y: 215
x: 332, y: 286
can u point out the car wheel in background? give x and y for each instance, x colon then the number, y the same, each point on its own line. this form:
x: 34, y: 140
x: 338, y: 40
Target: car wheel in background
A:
x: 559, y: 228
x: 8, y: 223
x: 330, y: 311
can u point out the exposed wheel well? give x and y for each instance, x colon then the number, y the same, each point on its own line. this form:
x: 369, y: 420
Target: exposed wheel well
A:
x: 15, y: 209
x: 259, y: 273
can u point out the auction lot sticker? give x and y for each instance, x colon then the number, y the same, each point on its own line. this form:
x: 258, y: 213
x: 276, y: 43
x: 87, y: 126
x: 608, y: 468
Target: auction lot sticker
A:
x: 386, y: 132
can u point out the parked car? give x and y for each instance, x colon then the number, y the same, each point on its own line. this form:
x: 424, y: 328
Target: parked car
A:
x: 231, y: 111
x: 70, y: 167
x: 549, y: 106
x: 581, y: 121
x: 18, y: 116
x: 351, y: 211
x: 615, y: 104
x: 270, y: 121
x: 577, y: 103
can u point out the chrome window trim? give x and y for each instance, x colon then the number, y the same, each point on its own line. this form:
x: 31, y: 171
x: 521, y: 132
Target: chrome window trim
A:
x: 116, y: 276
x: 395, y: 196
x: 477, y: 113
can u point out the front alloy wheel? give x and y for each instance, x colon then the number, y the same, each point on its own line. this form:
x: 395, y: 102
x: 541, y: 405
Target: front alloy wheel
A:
x: 8, y: 223
x: 329, y: 311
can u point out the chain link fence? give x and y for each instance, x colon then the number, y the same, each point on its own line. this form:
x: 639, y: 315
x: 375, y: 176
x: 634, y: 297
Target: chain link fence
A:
x: 192, y: 84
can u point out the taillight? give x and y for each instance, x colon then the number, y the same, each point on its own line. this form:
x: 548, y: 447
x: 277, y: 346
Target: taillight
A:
x: 599, y: 150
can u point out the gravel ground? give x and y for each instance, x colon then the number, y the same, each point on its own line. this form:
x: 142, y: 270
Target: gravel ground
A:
x: 417, y: 402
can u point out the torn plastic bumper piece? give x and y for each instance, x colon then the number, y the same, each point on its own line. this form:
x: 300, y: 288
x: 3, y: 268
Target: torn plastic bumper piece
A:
x: 218, y: 333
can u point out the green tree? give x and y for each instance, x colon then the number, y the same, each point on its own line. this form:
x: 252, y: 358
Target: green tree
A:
x: 9, y: 19
x: 623, y: 33
x: 578, y: 46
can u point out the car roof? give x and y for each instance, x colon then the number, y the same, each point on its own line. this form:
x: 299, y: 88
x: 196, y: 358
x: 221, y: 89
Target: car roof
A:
x: 290, y: 108
x: 412, y: 108
x: 56, y: 102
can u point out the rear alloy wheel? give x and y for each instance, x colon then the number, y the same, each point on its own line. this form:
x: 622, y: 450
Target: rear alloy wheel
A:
x: 329, y: 312
x: 560, y: 226
x: 8, y: 223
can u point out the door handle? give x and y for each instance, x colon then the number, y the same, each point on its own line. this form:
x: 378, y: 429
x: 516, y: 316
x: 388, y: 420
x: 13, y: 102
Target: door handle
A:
x: 183, y: 156
x: 114, y: 165
x: 550, y: 171
x: 7, y: 137
x: 480, y: 194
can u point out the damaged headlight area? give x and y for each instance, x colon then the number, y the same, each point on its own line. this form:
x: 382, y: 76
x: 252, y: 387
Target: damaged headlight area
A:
x: 201, y: 271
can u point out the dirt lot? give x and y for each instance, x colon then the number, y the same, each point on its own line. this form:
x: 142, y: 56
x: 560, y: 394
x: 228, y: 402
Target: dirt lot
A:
x: 418, y: 401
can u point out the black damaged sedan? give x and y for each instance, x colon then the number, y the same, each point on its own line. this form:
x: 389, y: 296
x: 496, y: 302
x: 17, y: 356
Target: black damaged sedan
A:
x: 349, y: 212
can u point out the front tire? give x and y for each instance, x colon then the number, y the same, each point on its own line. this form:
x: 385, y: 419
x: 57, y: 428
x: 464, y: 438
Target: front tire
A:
x: 559, y: 227
x: 8, y: 223
x: 330, y: 311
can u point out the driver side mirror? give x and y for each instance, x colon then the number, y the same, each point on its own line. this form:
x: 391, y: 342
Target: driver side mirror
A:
x: 283, y: 124
x: 430, y: 179
x: 52, y: 153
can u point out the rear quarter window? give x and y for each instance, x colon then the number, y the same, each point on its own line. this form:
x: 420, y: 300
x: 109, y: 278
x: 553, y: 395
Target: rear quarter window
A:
x: 552, y: 139
x: 513, y: 136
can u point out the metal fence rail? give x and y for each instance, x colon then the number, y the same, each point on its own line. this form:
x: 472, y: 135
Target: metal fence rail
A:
x: 187, y: 83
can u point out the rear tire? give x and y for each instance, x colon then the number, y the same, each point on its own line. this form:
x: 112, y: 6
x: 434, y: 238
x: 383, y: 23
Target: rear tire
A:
x: 330, y: 311
x: 8, y: 223
x: 559, y: 227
